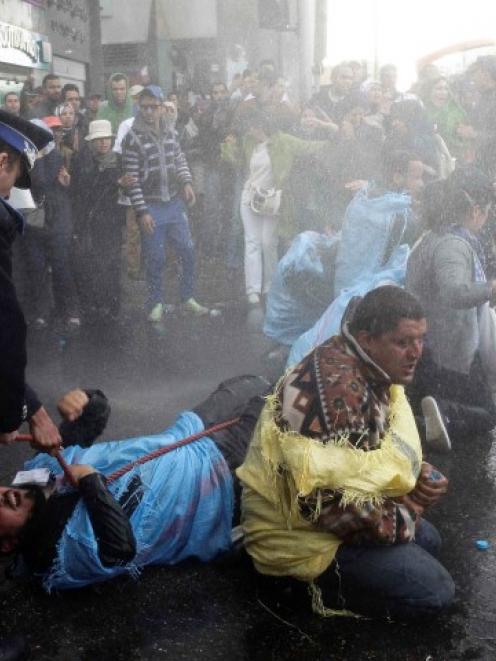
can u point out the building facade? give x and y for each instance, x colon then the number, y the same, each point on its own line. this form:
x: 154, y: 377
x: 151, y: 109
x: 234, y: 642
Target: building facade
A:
x: 188, y: 45
x: 50, y: 36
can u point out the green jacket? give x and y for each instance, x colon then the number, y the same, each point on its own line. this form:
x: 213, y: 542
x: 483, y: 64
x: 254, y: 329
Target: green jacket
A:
x: 448, y: 118
x: 283, y: 150
x: 113, y: 113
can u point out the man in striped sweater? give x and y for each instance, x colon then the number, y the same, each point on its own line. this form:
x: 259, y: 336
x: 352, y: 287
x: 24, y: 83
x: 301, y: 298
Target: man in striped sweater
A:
x: 152, y: 155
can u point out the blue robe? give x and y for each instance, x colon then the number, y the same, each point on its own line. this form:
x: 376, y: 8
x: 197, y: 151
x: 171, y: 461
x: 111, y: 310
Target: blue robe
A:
x: 185, y: 504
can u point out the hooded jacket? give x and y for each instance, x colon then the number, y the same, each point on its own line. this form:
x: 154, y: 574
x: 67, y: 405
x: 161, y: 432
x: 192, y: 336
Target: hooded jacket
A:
x: 110, y: 110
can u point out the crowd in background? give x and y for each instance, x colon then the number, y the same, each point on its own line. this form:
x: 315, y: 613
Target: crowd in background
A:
x: 262, y: 169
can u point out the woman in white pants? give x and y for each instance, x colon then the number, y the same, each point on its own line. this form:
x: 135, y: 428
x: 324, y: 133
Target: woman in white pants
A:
x: 268, y: 157
x: 260, y: 229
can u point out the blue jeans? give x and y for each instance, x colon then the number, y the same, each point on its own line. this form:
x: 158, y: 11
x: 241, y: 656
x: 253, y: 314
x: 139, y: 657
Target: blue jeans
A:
x: 404, y: 579
x: 171, y: 225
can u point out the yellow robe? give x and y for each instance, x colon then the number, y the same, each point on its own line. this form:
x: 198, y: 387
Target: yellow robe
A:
x: 280, y: 466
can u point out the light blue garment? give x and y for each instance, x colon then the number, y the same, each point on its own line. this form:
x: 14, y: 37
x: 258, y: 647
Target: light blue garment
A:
x: 373, y: 226
x: 329, y: 324
x: 185, y: 510
x: 301, y: 288
x: 366, y: 234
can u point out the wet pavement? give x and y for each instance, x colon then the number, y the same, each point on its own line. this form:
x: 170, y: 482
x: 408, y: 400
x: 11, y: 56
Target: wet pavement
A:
x: 218, y: 611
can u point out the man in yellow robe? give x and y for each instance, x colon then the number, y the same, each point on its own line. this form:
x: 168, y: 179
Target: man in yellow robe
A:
x: 334, y: 487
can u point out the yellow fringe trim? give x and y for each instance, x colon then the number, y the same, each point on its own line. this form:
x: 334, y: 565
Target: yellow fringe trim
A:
x: 319, y: 608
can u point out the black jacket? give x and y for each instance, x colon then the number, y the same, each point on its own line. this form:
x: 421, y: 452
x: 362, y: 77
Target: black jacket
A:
x: 12, y: 330
x: 116, y: 543
x: 113, y: 532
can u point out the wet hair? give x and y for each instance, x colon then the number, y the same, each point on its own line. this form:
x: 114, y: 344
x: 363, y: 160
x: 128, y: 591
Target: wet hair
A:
x: 396, y: 161
x: 49, y: 76
x: 354, y: 100
x: 381, y: 310
x: 258, y: 119
x: 31, y: 529
x: 116, y: 77
x: 447, y: 202
x: 337, y: 70
x: 70, y: 87
x: 218, y: 83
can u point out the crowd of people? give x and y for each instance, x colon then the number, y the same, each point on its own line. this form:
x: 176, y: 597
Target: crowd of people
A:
x: 244, y: 166
x: 329, y: 460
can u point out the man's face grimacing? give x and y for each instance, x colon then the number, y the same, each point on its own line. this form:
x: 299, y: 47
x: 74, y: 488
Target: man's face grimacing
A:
x: 16, y: 506
x: 398, y: 351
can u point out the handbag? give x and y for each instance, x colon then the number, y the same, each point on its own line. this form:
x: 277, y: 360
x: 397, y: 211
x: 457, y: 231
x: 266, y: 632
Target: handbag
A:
x: 487, y: 341
x: 265, y: 202
x: 35, y: 217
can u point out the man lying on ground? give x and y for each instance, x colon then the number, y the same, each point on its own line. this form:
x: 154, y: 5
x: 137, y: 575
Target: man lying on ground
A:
x: 178, y: 505
x: 334, y: 488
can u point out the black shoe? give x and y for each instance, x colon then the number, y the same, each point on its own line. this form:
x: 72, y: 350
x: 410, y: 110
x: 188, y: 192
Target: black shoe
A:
x: 14, y: 648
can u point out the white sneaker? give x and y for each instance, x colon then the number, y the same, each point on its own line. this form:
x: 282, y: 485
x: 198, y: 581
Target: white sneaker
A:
x: 253, y: 299
x: 436, y: 434
x: 156, y: 313
x: 193, y: 307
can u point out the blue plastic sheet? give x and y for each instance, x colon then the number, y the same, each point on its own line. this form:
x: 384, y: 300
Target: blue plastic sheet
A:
x: 185, y: 504
x: 370, y: 254
x: 302, y: 286
x: 370, y: 223
x: 330, y: 322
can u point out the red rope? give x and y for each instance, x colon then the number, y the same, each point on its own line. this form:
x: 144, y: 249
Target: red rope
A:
x: 145, y: 458
x: 169, y: 448
x: 58, y: 456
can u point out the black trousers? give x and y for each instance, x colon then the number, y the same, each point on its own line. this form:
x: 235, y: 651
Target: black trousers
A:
x: 465, y: 400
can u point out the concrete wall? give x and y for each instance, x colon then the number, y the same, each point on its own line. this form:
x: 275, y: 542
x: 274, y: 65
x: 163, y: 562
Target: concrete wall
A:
x: 23, y: 15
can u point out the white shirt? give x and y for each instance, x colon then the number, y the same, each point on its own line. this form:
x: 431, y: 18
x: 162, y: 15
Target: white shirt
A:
x: 260, y: 176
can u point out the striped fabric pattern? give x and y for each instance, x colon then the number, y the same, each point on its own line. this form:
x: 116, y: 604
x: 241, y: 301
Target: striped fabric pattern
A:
x: 158, y: 164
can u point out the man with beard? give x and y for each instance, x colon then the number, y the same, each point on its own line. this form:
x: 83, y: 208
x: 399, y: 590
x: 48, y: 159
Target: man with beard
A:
x: 119, y: 105
x: 52, y: 92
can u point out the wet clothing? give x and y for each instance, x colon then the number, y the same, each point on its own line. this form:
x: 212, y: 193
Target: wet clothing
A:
x: 156, y: 161
x: 333, y: 453
x: 441, y: 272
x: 113, y: 112
x: 12, y: 329
x: 484, y: 122
x: 98, y: 226
x: 112, y: 517
x: 18, y: 401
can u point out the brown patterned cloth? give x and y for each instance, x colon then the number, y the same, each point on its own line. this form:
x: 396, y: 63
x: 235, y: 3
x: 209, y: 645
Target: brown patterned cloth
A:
x: 338, y: 392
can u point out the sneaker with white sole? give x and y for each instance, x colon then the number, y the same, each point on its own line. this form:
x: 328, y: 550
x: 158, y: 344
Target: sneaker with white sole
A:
x: 253, y: 298
x: 193, y: 307
x: 156, y: 313
x: 436, y: 434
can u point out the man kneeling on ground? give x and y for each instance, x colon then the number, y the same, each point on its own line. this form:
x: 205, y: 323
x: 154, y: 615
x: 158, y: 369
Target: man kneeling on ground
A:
x: 334, y: 487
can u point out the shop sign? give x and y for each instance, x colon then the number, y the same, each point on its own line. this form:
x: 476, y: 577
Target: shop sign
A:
x: 24, y: 48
